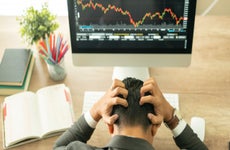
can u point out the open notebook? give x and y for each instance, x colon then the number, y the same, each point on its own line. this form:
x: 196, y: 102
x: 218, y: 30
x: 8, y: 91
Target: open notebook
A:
x: 29, y: 116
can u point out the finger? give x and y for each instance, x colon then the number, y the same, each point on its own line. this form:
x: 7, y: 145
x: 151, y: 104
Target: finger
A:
x: 155, y: 119
x: 113, y: 118
x: 149, y: 81
x: 150, y: 85
x: 147, y: 99
x: 110, y: 119
x: 119, y: 91
x: 118, y: 101
x: 147, y: 88
x: 117, y: 83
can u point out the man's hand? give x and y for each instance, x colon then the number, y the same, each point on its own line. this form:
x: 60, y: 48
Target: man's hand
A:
x: 103, y: 107
x: 163, y: 109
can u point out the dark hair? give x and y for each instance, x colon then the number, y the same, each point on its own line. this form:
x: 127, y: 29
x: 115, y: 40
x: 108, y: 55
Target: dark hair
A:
x: 134, y: 114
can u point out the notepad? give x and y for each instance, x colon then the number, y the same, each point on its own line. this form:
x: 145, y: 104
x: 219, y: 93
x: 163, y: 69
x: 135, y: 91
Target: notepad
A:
x: 90, y: 97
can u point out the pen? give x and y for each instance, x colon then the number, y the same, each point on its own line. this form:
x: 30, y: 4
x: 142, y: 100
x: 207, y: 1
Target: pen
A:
x: 48, y: 47
x: 53, y: 48
x: 43, y: 51
x: 42, y: 44
x: 66, y: 47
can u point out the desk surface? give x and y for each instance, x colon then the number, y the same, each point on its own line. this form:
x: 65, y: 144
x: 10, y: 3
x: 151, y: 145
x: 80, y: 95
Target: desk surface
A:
x: 203, y: 88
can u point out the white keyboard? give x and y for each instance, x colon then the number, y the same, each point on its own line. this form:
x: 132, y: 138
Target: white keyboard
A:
x: 90, y: 97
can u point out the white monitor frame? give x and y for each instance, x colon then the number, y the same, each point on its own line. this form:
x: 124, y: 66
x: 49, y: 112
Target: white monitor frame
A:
x: 98, y: 54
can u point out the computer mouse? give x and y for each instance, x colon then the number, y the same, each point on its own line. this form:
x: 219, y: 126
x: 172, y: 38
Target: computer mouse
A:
x: 198, y: 126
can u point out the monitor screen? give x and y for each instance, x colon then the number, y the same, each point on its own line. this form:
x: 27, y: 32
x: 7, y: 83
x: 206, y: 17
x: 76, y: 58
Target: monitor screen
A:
x: 131, y: 32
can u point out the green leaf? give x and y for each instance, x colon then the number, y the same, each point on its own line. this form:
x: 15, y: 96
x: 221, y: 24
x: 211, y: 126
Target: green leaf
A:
x: 35, y: 24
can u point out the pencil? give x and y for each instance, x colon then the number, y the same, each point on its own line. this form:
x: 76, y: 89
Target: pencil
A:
x: 53, y: 48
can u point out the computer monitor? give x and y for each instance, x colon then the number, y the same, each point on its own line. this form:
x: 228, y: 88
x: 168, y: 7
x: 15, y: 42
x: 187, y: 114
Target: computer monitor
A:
x: 131, y: 33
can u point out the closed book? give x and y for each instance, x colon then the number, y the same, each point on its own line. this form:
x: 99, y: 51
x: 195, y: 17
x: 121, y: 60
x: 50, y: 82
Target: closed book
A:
x: 14, y: 66
x: 11, y: 89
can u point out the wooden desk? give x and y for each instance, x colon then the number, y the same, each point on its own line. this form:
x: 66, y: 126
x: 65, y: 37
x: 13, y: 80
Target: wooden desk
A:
x: 204, y: 87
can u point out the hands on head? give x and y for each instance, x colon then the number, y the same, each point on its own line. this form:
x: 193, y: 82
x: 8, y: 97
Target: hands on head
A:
x: 104, y: 107
x: 163, y: 109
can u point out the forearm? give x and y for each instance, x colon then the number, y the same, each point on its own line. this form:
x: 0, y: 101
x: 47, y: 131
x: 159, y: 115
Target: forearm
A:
x: 189, y: 140
x: 184, y: 136
x: 79, y: 131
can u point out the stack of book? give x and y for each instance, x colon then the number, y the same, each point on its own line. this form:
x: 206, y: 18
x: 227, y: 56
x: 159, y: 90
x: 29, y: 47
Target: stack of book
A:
x: 16, y: 68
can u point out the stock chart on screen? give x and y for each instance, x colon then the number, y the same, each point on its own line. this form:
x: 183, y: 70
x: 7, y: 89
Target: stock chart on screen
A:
x: 132, y: 20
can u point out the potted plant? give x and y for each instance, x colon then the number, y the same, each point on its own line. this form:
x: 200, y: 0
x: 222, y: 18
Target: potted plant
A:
x: 36, y: 24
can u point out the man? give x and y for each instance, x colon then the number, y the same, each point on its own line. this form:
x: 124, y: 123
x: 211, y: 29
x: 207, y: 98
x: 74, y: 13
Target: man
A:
x: 133, y: 111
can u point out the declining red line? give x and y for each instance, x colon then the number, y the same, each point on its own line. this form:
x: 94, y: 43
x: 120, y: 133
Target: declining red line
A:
x: 150, y: 15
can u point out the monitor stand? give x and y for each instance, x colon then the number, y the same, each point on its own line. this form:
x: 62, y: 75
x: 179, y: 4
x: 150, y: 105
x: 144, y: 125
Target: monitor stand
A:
x: 121, y: 73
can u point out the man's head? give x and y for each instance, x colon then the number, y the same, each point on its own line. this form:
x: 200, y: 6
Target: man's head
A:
x: 135, y: 114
